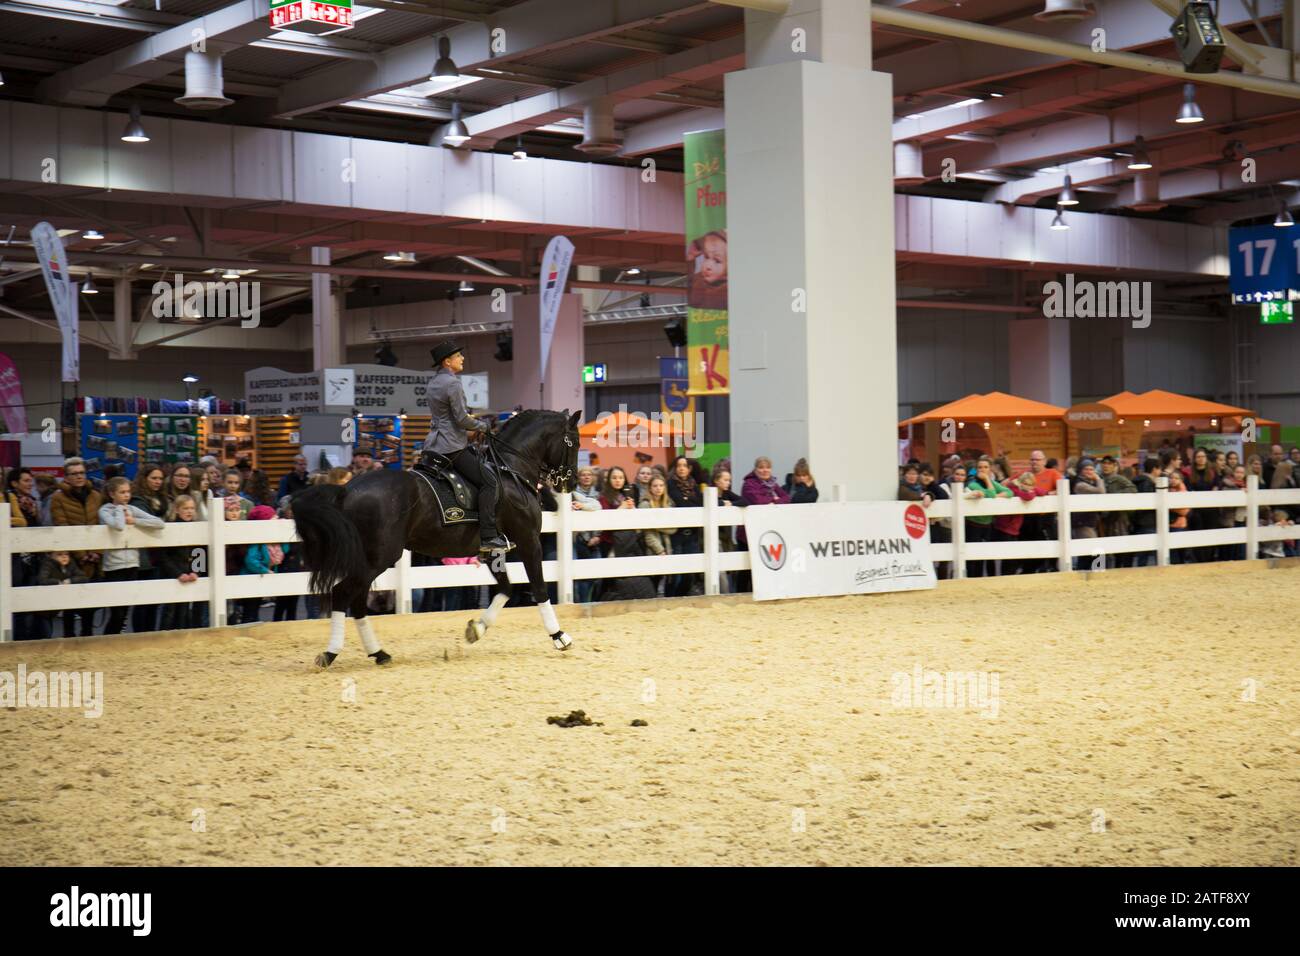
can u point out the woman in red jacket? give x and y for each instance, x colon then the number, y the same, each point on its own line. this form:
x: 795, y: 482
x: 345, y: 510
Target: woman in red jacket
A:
x: 1007, y: 527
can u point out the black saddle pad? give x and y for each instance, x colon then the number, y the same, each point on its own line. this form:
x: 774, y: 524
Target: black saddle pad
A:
x: 456, y: 498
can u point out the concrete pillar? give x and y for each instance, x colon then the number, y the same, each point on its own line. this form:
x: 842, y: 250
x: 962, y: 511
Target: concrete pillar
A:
x: 811, y: 258
x: 1040, y: 360
x: 121, y: 319
x: 563, y: 381
x: 326, y: 329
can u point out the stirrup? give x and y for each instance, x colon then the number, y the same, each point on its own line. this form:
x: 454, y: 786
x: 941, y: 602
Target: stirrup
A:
x: 485, y: 548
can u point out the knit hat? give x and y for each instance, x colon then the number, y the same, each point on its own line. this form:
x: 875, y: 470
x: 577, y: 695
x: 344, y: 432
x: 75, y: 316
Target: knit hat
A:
x: 261, y: 513
x: 1086, y: 463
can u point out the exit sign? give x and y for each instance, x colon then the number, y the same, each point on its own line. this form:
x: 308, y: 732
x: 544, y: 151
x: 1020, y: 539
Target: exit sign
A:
x: 311, y: 16
x: 1276, y: 313
x: 593, y: 374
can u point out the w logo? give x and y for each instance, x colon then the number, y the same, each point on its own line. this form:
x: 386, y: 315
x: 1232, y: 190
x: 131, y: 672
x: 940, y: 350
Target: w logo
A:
x: 771, y: 549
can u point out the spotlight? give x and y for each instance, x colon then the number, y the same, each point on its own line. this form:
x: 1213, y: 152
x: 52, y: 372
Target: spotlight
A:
x: 444, y: 71
x: 676, y: 332
x: 1283, y: 219
x: 1189, y: 112
x: 1140, y: 158
x: 1067, y: 197
x: 505, y: 347
x: 456, y: 133
x: 134, y: 131
x: 384, y: 355
x: 1197, y: 38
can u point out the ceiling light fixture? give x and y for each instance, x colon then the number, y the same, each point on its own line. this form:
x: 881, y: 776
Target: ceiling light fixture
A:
x: 1283, y: 219
x: 519, y: 155
x: 1189, y: 112
x: 444, y: 71
x: 1140, y: 158
x: 134, y: 131
x: 91, y: 234
x: 1067, y: 197
x: 1058, y: 222
x: 456, y: 134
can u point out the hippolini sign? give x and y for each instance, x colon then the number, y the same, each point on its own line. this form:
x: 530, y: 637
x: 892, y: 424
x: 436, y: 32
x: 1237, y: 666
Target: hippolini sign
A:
x: 311, y: 16
x: 1090, y: 415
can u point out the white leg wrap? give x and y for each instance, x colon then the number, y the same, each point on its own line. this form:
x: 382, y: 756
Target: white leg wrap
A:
x: 368, y: 639
x: 336, y: 631
x: 548, y: 617
x: 491, y: 611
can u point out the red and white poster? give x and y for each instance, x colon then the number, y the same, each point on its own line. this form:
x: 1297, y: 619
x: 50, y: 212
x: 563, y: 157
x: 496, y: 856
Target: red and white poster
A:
x: 12, y: 412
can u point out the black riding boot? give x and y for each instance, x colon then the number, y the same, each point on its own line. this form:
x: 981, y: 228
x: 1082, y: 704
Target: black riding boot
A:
x: 470, y: 466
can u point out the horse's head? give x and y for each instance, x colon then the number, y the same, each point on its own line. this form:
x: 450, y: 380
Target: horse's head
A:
x: 562, y: 454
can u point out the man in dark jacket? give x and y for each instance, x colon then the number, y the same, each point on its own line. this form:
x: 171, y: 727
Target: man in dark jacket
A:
x: 293, y: 482
x: 1144, y: 522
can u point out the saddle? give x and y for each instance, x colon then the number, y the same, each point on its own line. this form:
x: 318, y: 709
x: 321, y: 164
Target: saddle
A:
x: 456, y: 498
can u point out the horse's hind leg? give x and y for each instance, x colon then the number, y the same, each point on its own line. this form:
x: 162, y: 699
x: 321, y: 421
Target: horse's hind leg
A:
x: 339, y: 598
x: 367, y: 631
x: 476, y: 628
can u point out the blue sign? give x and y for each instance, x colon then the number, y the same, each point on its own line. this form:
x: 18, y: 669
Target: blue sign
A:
x: 674, y: 380
x: 1263, y: 264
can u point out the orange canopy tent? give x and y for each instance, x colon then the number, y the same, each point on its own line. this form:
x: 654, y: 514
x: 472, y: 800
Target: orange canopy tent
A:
x: 1157, y: 403
x: 995, y: 406
x: 628, y: 440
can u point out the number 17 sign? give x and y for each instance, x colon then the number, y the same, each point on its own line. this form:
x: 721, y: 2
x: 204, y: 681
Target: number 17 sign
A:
x: 1264, y: 263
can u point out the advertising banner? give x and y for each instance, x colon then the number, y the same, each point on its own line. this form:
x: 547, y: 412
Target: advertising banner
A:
x: 1224, y: 443
x: 63, y: 294
x: 555, y: 273
x: 820, y: 550
x: 13, y: 415
x: 371, y: 390
x: 674, y: 390
x: 705, y: 182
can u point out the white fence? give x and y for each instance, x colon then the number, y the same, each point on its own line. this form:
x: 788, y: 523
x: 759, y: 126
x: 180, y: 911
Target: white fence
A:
x: 217, y: 587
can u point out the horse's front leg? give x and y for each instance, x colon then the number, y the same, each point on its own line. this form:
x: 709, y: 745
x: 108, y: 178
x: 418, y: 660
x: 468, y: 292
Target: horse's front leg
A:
x: 477, y: 627
x: 530, y: 552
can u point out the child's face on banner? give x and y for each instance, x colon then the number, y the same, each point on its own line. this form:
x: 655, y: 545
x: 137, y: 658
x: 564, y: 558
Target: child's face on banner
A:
x: 714, y: 265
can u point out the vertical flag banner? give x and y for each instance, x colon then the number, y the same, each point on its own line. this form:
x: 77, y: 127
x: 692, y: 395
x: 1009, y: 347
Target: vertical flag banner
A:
x: 12, y: 413
x: 674, y: 396
x: 555, y: 274
x: 63, y: 293
x: 706, y: 253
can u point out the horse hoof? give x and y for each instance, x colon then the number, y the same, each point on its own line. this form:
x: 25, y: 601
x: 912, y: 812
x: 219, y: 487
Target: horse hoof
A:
x: 474, y: 631
x: 561, y: 641
x: 325, y: 660
x: 382, y: 657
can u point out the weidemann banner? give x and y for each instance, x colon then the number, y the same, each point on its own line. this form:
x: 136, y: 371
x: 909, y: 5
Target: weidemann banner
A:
x: 821, y: 550
x: 555, y: 273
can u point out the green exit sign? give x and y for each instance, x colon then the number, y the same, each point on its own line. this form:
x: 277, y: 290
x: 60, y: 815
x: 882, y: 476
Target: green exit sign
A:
x: 593, y: 374
x: 1276, y: 313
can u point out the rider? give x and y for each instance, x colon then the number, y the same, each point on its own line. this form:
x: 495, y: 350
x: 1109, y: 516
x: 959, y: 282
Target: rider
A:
x: 447, y: 436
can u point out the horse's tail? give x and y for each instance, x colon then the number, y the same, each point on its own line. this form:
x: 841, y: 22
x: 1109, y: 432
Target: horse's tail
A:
x: 331, y: 544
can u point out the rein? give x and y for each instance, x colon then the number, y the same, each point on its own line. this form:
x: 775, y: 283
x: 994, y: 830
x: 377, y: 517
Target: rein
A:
x: 552, y: 476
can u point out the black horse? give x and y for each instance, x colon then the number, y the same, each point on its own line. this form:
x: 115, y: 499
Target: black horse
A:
x: 352, y: 533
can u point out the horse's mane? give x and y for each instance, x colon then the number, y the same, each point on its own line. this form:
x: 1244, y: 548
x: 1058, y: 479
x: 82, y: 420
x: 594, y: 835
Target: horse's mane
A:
x: 526, y: 418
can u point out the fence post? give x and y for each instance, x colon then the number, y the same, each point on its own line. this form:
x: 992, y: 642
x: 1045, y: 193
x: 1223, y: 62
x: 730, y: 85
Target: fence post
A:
x: 1063, y: 529
x: 958, y: 497
x: 564, y: 548
x: 216, y: 562
x: 712, y: 573
x: 6, y: 575
x: 402, y: 593
x: 1252, y: 517
x: 1162, y: 521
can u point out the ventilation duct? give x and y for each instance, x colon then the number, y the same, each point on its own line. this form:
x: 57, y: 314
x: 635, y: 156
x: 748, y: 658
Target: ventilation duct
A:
x: 908, y: 163
x: 204, y: 89
x: 599, y: 137
x: 1146, y: 192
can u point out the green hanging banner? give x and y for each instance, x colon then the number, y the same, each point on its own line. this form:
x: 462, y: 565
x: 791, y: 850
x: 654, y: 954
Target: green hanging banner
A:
x: 708, y: 353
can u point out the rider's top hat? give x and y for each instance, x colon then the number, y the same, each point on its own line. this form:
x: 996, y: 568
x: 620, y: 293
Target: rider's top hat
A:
x: 444, y: 350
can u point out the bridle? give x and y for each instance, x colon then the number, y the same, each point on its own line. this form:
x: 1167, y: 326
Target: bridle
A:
x: 552, y: 476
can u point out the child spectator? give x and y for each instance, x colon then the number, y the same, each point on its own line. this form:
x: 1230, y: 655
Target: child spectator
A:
x: 58, y: 568
x: 178, y: 564
x: 799, y: 484
x: 260, y: 559
x: 122, y: 564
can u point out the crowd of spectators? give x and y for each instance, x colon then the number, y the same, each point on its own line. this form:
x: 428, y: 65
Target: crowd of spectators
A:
x: 977, y: 476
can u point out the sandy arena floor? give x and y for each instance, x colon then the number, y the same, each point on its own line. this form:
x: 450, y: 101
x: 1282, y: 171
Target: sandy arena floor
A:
x: 1121, y: 736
